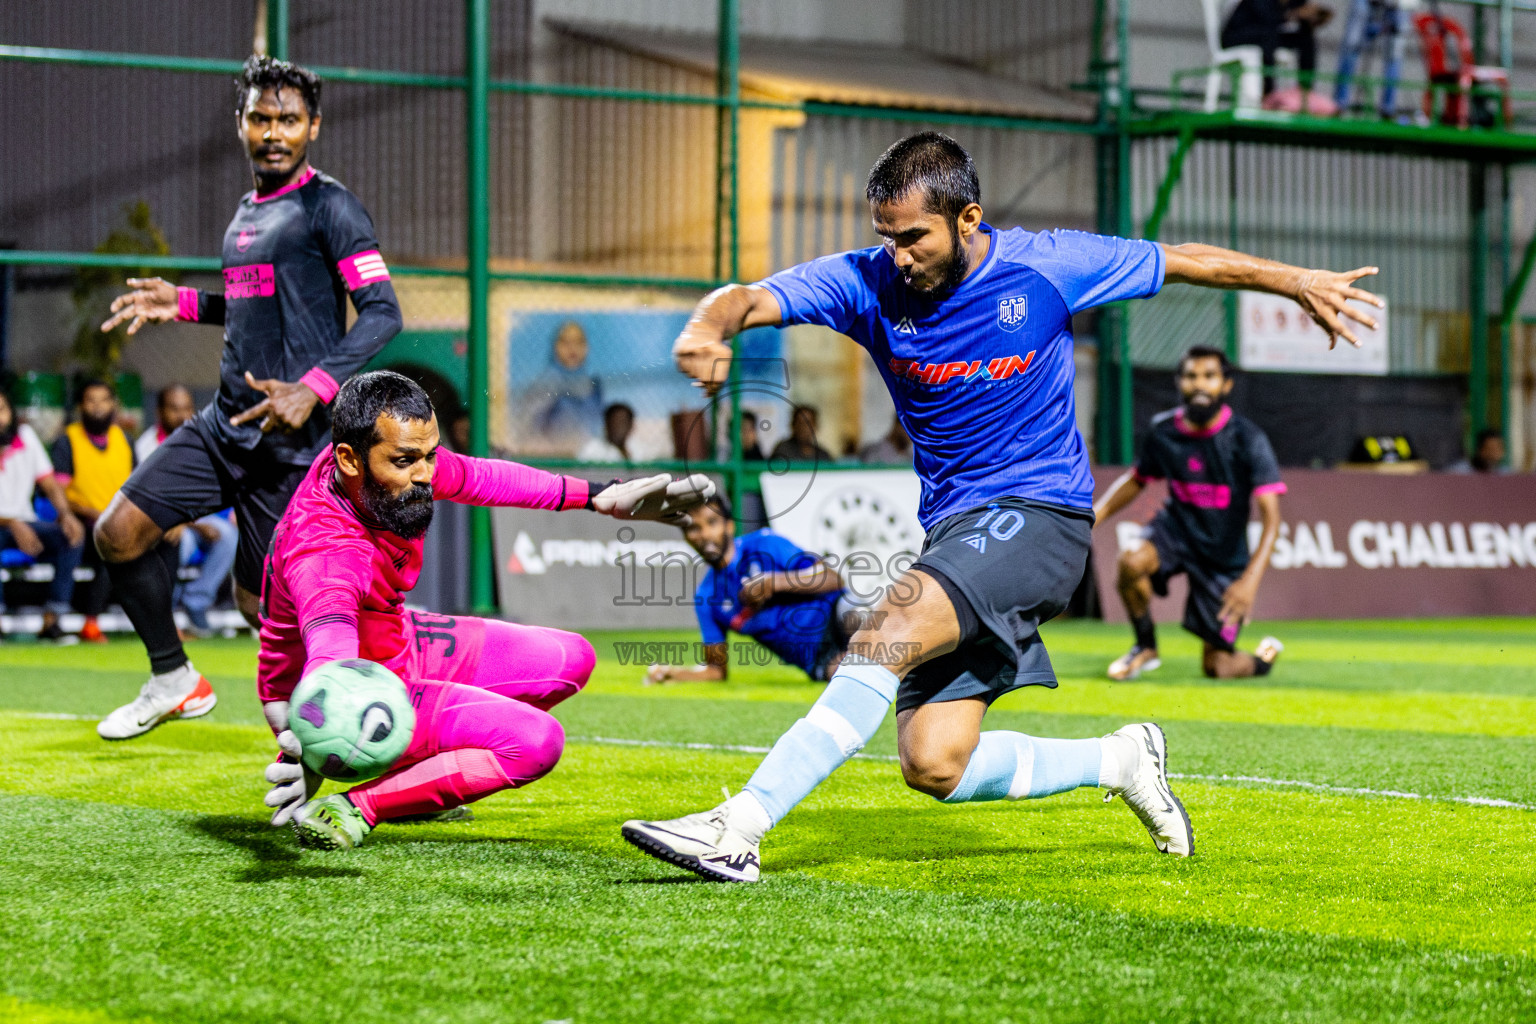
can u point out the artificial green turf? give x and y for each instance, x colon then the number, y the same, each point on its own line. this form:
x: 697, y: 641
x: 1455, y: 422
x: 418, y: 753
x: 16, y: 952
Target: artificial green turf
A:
x: 141, y: 882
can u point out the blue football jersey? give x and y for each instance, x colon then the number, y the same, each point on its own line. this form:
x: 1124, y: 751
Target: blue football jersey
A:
x: 793, y: 626
x: 981, y: 377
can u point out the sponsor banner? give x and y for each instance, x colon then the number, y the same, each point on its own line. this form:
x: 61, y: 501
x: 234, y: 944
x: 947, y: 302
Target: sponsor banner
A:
x: 1365, y: 545
x: 1274, y: 334
x: 862, y: 521
x: 580, y: 570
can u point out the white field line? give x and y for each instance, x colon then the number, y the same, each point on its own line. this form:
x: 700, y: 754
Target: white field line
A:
x: 1246, y: 780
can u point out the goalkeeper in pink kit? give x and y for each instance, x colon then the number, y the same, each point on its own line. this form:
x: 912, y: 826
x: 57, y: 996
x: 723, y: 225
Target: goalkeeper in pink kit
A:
x: 342, y: 559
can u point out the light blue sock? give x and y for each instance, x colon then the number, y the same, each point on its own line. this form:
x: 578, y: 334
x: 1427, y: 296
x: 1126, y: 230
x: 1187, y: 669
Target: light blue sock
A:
x: 838, y: 725
x: 1013, y: 766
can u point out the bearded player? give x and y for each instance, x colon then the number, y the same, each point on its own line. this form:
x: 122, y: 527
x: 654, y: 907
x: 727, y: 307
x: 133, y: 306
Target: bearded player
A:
x: 971, y: 328
x: 1215, y: 462
x: 343, y: 557
x: 299, y: 246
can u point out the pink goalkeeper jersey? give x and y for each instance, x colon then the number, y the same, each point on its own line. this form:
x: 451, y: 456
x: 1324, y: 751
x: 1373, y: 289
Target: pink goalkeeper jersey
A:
x: 334, y: 587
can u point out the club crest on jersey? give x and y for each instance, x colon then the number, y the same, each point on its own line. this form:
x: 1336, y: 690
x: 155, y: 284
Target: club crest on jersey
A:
x: 1011, y: 313
x: 244, y: 239
x: 1000, y: 368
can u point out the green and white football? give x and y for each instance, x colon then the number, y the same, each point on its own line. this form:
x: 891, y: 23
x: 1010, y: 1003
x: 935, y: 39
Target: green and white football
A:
x: 353, y: 718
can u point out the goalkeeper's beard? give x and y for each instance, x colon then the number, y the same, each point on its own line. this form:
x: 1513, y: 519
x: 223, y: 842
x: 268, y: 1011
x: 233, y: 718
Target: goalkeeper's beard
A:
x: 407, y: 514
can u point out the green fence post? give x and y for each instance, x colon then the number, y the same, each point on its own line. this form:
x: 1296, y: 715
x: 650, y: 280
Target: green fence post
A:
x: 728, y: 216
x: 476, y: 71
x: 1477, y: 298
x: 277, y: 29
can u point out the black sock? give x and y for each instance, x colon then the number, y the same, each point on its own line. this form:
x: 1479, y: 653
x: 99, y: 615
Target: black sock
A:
x: 1146, y: 633
x: 1261, y: 667
x: 145, y: 588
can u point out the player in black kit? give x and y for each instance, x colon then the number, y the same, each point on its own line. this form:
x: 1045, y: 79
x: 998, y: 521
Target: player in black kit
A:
x: 299, y: 245
x: 1214, y: 462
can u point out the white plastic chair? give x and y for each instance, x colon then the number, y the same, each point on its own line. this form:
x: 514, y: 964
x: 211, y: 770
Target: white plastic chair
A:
x: 1250, y: 82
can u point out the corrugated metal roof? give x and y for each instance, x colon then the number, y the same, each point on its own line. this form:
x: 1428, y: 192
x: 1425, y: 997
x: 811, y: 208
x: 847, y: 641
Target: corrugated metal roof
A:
x: 891, y: 76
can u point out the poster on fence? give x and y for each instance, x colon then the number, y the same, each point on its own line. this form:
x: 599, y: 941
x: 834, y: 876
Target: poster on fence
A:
x: 1274, y: 333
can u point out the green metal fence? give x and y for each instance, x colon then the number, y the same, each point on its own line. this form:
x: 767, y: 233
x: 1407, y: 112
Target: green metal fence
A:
x: 1139, y: 150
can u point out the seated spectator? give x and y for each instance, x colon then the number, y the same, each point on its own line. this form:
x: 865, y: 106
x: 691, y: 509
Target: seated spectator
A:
x: 1273, y: 25
x: 24, y: 470
x: 800, y: 445
x: 613, y: 446
x: 93, y: 459
x: 751, y: 450
x: 1487, y: 454
x: 895, y: 448
x: 215, y: 536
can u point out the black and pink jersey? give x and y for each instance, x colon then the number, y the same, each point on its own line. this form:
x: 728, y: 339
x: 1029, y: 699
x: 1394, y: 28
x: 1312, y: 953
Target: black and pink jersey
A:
x: 1212, y: 471
x: 291, y: 258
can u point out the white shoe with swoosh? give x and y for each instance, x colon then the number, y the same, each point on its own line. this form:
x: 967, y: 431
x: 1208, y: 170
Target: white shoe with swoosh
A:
x: 1148, y: 794
x: 180, y: 694
x: 704, y: 843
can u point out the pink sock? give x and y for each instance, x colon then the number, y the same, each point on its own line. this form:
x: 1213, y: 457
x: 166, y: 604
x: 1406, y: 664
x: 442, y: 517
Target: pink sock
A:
x: 474, y: 744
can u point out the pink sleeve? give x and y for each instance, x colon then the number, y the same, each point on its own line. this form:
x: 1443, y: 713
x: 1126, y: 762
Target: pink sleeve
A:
x: 322, y: 384
x: 1278, y: 487
x: 328, y: 583
x: 499, y: 482
x: 186, y: 304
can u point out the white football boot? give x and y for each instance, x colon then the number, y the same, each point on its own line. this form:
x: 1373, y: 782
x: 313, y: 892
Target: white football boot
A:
x: 704, y: 843
x: 1269, y: 650
x: 179, y: 694
x: 1148, y: 795
x: 1127, y: 667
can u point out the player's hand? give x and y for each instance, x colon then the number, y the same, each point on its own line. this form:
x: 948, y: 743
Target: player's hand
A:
x: 207, y: 531
x: 286, y: 407
x: 26, y: 537
x: 286, y: 774
x: 656, y: 497
x: 1325, y: 296
x: 1237, y: 601
x: 706, y: 359
x: 74, y: 529
x: 152, y: 301
x: 755, y: 592
x: 657, y: 674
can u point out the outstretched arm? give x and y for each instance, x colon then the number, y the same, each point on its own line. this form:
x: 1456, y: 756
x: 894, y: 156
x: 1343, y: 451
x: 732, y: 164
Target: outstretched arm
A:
x: 703, y: 350
x: 1120, y: 494
x: 155, y: 300
x: 1322, y: 293
x: 714, y: 670
x: 498, y: 482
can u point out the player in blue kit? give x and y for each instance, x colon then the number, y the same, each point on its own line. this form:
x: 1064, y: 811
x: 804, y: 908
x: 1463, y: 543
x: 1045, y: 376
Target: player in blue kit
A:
x: 971, y: 328
x: 763, y: 586
x: 299, y: 247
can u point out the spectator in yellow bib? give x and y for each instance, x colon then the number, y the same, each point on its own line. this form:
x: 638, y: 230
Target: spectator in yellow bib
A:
x: 93, y: 459
x: 24, y: 470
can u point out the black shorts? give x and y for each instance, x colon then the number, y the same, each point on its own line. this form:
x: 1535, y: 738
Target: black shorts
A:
x: 1007, y: 566
x: 194, y: 474
x: 1207, y: 585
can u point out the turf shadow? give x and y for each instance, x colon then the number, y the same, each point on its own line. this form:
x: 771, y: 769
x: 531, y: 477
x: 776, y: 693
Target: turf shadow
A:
x: 275, y: 857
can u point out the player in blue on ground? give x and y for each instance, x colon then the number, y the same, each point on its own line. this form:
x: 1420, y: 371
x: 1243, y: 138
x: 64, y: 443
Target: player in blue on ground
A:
x: 971, y: 328
x: 763, y: 586
x: 1216, y: 463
